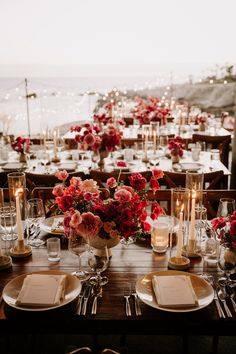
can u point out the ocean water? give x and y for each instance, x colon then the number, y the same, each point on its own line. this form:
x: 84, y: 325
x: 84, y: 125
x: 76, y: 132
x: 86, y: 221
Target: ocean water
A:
x: 57, y: 101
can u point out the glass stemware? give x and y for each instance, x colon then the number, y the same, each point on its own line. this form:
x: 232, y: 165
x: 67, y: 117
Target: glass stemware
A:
x: 226, y: 207
x: 78, y: 245
x: 35, y: 216
x: 44, y: 158
x: 227, y: 263
x: 98, y: 261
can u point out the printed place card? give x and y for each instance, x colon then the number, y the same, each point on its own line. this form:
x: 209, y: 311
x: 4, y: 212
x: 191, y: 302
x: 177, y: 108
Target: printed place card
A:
x: 174, y: 291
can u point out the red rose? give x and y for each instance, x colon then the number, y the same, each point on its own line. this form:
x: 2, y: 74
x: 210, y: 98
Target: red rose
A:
x: 157, y: 174
x: 218, y: 223
x: 154, y: 184
x: 65, y: 202
x: 232, y: 229
x: 146, y: 226
x: 137, y: 181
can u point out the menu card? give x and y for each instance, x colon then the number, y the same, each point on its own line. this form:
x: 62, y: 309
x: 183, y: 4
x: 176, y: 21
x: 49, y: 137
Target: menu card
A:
x: 174, y: 291
x: 58, y: 226
x: 42, y: 290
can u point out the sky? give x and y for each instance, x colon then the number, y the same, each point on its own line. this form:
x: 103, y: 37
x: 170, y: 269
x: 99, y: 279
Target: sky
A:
x: 114, y: 37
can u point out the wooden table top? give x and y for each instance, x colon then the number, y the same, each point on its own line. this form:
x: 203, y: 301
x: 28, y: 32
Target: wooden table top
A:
x: 128, y: 263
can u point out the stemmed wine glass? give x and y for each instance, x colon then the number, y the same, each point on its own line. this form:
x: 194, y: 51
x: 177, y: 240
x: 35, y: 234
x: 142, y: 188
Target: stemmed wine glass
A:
x: 44, y: 158
x: 78, y: 245
x: 35, y: 216
x: 98, y: 261
x: 226, y: 207
x: 227, y: 263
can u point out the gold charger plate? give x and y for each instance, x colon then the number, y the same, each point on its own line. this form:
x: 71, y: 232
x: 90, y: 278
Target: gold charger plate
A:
x: 203, y: 290
x: 46, y: 225
x: 12, y: 289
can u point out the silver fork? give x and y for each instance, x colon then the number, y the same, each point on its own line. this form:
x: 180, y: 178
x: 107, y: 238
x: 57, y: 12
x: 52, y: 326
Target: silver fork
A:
x: 222, y: 298
x: 136, y: 303
x: 127, y: 304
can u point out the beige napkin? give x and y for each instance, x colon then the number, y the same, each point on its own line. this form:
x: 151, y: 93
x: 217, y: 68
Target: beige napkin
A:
x: 58, y: 226
x: 174, y: 291
x: 42, y: 290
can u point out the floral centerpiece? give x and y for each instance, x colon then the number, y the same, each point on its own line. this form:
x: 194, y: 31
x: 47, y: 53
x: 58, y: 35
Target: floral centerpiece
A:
x: 225, y: 229
x: 120, y: 214
x: 150, y: 110
x: 176, y: 146
x: 90, y: 137
x: 22, y: 146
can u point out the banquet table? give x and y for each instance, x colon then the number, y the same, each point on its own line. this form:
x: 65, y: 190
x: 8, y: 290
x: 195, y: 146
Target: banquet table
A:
x: 127, y: 265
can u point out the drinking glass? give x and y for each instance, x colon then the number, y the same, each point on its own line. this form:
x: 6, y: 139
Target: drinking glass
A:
x: 8, y: 223
x: 98, y: 262
x: 160, y: 233
x: 44, y: 157
x: 35, y: 216
x: 1, y: 198
x: 226, y: 207
x: 78, y: 246
x: 226, y: 262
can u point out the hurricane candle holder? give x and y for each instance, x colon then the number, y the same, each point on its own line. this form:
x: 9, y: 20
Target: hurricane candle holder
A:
x: 194, y: 181
x: 17, y: 195
x: 180, y: 210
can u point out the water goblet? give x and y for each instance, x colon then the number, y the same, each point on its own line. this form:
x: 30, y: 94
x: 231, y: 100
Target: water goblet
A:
x: 98, y: 261
x: 226, y: 262
x: 35, y: 216
x: 44, y: 158
x: 78, y: 245
x: 226, y: 207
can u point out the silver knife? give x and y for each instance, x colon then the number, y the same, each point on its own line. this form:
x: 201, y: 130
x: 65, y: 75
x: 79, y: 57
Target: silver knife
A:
x: 219, y: 309
x: 86, y: 297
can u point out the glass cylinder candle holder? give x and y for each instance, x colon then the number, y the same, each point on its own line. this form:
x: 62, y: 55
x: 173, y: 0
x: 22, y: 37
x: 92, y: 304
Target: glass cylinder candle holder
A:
x: 194, y: 182
x: 180, y: 198
x: 17, y: 188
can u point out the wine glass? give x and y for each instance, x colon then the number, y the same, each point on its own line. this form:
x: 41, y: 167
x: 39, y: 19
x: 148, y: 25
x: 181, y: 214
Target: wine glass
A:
x: 226, y: 262
x: 226, y: 207
x: 78, y: 245
x: 98, y: 262
x: 35, y: 216
x: 44, y: 157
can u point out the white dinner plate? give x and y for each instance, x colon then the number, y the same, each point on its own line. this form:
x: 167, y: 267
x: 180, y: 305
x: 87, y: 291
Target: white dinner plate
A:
x: 185, y: 166
x: 12, y: 289
x: 202, y: 288
x: 46, y: 225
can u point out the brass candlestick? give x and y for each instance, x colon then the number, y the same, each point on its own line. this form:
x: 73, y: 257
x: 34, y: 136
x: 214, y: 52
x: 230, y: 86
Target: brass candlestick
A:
x: 179, y: 263
x: 20, y: 250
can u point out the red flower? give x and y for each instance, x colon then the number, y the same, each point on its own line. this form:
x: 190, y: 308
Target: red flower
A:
x: 146, y: 226
x: 137, y: 181
x: 121, y: 164
x: 232, y: 229
x: 154, y: 184
x: 218, y: 223
x: 65, y: 202
x: 156, y: 210
x: 158, y: 174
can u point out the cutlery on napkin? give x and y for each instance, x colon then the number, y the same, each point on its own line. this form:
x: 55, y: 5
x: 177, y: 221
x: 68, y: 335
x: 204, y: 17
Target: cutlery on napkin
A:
x: 174, y: 291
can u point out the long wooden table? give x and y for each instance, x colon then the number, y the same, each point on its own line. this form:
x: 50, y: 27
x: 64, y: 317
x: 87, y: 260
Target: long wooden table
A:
x: 127, y: 264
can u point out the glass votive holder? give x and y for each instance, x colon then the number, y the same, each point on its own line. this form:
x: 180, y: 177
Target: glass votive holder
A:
x: 215, y: 154
x: 8, y: 223
x: 160, y: 234
x: 53, y: 249
x: 17, y: 187
x: 196, y: 153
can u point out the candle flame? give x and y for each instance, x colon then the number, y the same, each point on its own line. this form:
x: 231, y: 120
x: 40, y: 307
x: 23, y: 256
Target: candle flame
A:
x: 194, y: 193
x: 18, y: 191
x: 182, y: 208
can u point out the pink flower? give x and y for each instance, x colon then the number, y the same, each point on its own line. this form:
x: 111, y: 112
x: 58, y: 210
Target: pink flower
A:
x: 75, y: 181
x: 123, y: 196
x: 90, y: 225
x: 65, y: 202
x: 76, y: 219
x: 89, y: 185
x: 58, y: 190
x: 111, y: 182
x: 62, y: 175
x: 121, y: 164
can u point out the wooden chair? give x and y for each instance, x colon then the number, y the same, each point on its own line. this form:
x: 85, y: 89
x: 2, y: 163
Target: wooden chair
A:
x: 163, y: 197
x: 40, y: 180
x: 212, y: 180
x: 216, y: 142
x: 211, y: 199
x: 101, y: 177
x: 3, y: 178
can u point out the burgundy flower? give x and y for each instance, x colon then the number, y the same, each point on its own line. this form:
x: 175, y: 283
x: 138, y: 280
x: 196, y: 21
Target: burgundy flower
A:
x: 154, y: 184
x: 137, y: 181
x: 65, y: 202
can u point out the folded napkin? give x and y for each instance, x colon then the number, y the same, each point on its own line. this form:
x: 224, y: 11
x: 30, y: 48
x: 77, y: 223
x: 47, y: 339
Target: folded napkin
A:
x: 42, y: 290
x: 57, y: 226
x: 68, y: 166
x: 174, y: 291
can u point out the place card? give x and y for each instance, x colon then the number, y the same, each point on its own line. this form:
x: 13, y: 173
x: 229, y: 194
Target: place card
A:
x: 42, y: 290
x: 58, y: 226
x: 174, y: 291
